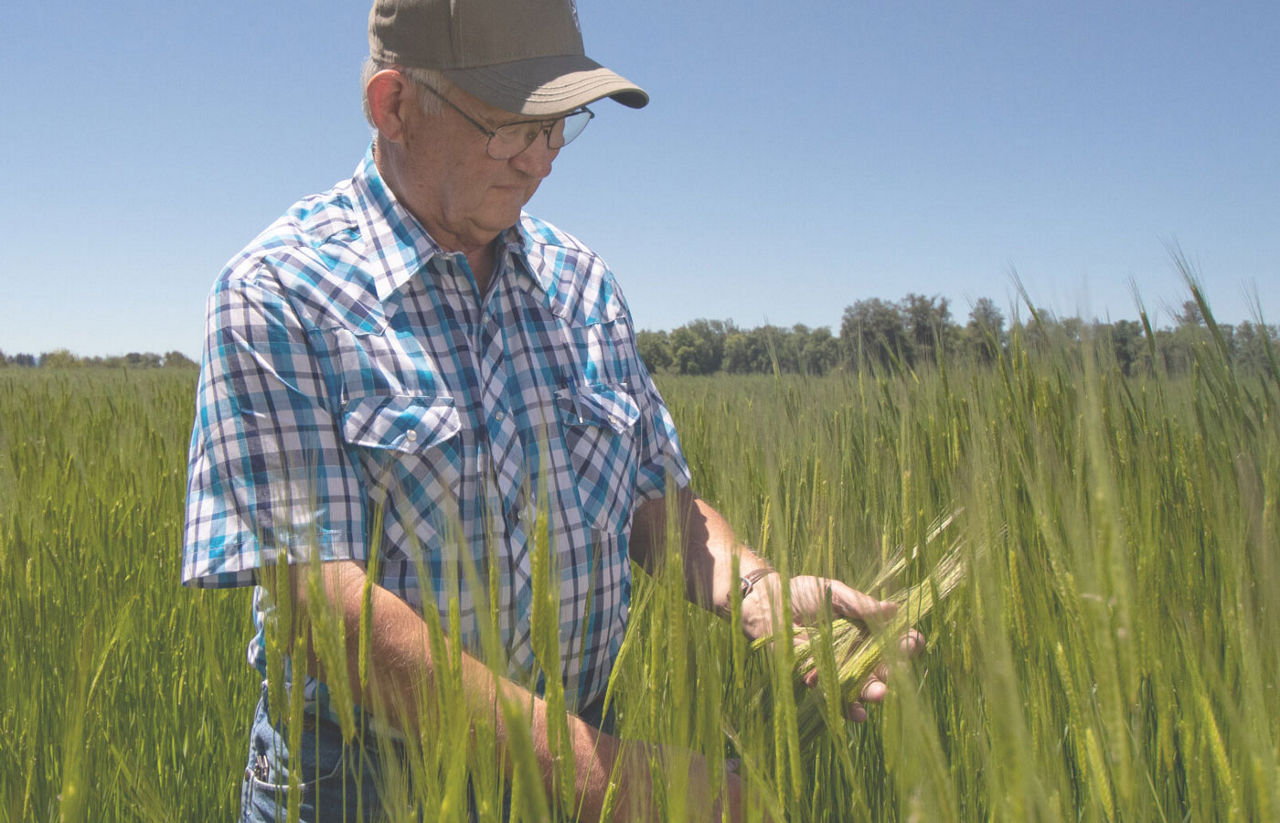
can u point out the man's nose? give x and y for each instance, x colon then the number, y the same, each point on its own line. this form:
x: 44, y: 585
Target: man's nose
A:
x: 536, y: 160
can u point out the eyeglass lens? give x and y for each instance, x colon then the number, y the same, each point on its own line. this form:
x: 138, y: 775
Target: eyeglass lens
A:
x: 508, y: 141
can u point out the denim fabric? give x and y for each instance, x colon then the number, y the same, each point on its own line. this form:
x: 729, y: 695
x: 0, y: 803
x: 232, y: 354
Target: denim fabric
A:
x: 337, y: 783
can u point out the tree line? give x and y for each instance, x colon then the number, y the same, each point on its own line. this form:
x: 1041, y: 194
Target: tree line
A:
x: 64, y: 359
x: 918, y: 329
x: 875, y: 333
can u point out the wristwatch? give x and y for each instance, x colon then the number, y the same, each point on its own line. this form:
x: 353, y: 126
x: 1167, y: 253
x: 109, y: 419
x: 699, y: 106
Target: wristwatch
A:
x: 751, y: 578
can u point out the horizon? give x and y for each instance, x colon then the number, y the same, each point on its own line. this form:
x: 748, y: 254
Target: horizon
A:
x: 958, y: 321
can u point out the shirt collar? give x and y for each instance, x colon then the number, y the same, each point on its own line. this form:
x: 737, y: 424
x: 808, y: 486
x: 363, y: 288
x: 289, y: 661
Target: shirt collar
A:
x: 518, y: 242
x: 398, y: 247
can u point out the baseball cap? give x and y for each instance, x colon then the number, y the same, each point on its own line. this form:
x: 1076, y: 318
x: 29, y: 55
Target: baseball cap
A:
x: 522, y: 56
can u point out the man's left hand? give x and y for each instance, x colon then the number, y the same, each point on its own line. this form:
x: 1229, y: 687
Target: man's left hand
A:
x: 809, y: 598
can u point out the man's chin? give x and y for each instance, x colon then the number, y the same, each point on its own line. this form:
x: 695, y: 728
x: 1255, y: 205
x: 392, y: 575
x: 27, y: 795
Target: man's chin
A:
x: 504, y: 218
x: 510, y: 200
x: 488, y: 230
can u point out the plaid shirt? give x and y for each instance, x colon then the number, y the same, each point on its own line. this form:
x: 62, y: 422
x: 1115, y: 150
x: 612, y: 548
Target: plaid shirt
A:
x: 350, y: 366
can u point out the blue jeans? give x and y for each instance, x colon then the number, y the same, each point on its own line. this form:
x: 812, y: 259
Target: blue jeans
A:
x: 338, y: 782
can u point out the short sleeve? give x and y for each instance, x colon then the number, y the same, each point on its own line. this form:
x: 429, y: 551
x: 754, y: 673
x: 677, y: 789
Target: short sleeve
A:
x: 267, y: 470
x: 661, y: 457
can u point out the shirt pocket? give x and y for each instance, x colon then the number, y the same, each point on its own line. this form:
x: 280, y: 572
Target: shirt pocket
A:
x: 598, y: 422
x: 408, y: 444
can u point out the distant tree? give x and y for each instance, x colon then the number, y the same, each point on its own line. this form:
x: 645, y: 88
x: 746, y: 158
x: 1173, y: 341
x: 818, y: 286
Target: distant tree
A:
x: 689, y: 354
x: 821, y: 352
x: 927, y: 322
x: 142, y: 360
x: 1179, y: 346
x: 773, y: 346
x: 872, y: 331
x: 25, y: 360
x: 984, y: 334
x: 1190, y: 316
x: 698, y: 347
x: 986, y: 315
x: 796, y: 339
x: 882, y: 333
x: 1127, y: 341
x: 654, y: 349
x: 740, y: 353
x: 176, y: 359
x: 58, y: 359
x: 1252, y: 343
x: 791, y: 351
x: 1045, y: 332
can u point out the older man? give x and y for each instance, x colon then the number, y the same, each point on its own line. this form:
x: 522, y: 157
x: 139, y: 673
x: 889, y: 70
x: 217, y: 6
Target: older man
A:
x: 407, y: 373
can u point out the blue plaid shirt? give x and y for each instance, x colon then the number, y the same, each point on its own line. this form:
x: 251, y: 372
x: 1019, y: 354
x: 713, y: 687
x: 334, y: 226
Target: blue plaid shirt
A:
x: 350, y: 366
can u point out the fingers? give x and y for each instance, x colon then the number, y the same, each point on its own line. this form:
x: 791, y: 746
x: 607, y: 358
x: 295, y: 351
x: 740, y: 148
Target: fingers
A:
x: 873, y: 692
x: 876, y: 687
x: 912, y: 643
x: 809, y: 596
x: 852, y: 604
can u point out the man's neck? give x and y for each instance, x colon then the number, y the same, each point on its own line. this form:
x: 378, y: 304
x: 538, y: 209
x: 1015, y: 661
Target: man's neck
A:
x: 480, y: 258
x: 481, y: 264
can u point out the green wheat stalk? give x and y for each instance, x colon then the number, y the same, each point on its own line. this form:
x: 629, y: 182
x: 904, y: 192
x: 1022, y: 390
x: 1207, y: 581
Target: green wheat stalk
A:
x: 859, y: 648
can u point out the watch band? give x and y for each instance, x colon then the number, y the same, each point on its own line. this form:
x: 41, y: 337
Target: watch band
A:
x: 751, y: 578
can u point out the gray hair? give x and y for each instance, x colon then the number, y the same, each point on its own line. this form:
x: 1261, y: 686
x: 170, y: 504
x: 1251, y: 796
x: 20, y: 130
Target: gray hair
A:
x: 430, y: 78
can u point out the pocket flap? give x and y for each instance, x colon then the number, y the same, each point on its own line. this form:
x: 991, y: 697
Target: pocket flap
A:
x: 598, y: 405
x: 405, y: 423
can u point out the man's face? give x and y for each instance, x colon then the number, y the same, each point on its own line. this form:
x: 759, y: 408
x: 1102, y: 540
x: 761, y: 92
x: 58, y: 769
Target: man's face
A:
x: 462, y: 195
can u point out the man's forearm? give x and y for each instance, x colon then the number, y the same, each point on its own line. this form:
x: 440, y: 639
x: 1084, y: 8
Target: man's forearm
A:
x: 708, y: 552
x: 404, y: 665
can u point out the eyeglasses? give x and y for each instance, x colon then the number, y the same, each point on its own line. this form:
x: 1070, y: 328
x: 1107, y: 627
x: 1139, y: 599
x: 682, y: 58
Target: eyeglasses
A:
x: 506, y: 141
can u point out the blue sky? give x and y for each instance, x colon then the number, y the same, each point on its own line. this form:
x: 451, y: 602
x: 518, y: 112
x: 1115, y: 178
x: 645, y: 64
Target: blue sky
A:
x: 796, y: 157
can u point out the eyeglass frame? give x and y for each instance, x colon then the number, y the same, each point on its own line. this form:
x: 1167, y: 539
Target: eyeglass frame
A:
x: 547, y: 125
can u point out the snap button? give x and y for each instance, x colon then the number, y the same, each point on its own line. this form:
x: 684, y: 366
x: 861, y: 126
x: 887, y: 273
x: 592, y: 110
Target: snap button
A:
x: 498, y: 415
x: 411, y: 435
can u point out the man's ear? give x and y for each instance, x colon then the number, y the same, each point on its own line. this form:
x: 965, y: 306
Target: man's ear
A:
x: 390, y: 95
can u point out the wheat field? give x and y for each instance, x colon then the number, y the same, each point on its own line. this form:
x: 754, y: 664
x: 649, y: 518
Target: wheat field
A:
x: 1104, y: 655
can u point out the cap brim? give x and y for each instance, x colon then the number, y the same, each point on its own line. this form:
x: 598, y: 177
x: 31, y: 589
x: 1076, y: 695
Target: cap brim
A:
x: 545, y: 86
